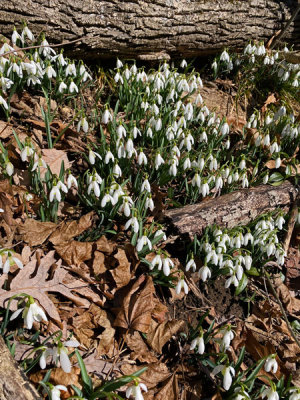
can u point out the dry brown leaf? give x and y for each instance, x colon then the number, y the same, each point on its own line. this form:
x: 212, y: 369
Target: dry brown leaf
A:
x: 105, y: 245
x: 94, y: 364
x: 159, y: 334
x: 68, y: 230
x: 155, y: 373
x: 137, y: 306
x: 121, y: 274
x: 54, y: 159
x: 38, y: 286
x: 74, y: 253
x: 35, y: 232
x: 98, y: 263
x: 5, y: 130
x: 270, y: 100
x: 169, y: 390
x: 270, y: 164
x: 140, y: 351
x: 291, y: 304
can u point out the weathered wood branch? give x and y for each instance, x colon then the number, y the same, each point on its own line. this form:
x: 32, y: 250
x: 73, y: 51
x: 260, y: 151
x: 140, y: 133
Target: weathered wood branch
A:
x: 152, y: 28
x: 237, y: 208
x: 13, y: 385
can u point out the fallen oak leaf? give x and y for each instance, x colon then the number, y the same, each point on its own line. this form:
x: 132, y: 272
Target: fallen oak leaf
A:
x: 36, y: 232
x: 159, y: 334
x: 38, y: 286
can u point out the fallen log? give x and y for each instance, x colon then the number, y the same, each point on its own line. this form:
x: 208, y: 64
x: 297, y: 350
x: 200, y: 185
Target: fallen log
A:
x: 232, y: 209
x: 13, y: 385
x: 152, y: 29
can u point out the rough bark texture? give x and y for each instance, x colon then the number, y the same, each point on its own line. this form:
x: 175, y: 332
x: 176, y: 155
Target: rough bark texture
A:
x: 144, y: 28
x: 237, y: 208
x: 12, y: 383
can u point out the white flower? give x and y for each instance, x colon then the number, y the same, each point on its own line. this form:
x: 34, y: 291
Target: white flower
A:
x: 109, y: 157
x: 277, y: 162
x: 270, y: 394
x: 146, y: 186
x: 204, y: 273
x: 71, y: 181
x: 181, y: 285
x: 160, y: 232
x: 158, y: 161
x: 55, y: 391
x: 191, y: 264
x: 73, y: 87
x: 106, y: 117
x: 143, y: 241
x: 38, y: 162
x: 183, y: 64
x: 136, y: 391
x: 119, y: 63
x: 295, y: 394
x: 60, y: 352
x: 62, y: 87
x: 84, y: 124
x: 31, y: 312
x: 271, y: 364
x: 10, y: 260
x: 3, y: 103
x: 134, y: 223
x: 70, y: 69
x: 156, y: 261
x: 55, y: 194
x: 167, y: 265
x: 227, y: 373
x: 9, y: 168
x: 228, y: 335
x: 92, y: 157
x: 279, y: 222
x: 43, y: 358
x: 94, y: 186
x: 27, y: 32
x: 26, y: 152
x: 198, y: 342
x: 142, y: 159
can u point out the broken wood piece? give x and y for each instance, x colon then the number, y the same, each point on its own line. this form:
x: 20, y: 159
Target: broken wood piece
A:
x: 229, y: 210
x: 13, y: 383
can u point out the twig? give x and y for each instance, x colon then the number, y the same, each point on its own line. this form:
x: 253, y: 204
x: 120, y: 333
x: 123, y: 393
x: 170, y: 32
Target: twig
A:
x: 291, y: 224
x: 287, y: 25
x: 281, y: 306
x: 40, y: 46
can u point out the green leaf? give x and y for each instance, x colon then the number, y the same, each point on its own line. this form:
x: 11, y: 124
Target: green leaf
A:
x: 253, y: 272
x: 242, y: 284
x: 84, y: 375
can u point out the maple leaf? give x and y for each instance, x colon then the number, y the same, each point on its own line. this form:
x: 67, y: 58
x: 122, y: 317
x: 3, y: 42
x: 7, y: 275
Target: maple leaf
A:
x: 39, y: 285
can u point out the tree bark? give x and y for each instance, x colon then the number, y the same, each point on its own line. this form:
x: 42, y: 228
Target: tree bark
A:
x: 232, y: 209
x: 151, y: 29
x: 13, y: 385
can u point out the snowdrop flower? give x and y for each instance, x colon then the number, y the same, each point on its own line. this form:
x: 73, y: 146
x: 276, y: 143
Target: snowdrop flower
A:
x: 149, y: 203
x: 199, y: 343
x: 280, y: 222
x: 73, y: 87
x: 27, y: 32
x: 9, y: 168
x: 136, y: 391
x: 134, y: 223
x: 10, y: 260
x: 295, y: 394
x: 94, y: 187
x: 106, y: 116
x: 62, y: 186
x: 3, y: 102
x: 70, y: 69
x: 227, y: 372
x: 183, y: 64
x: 204, y: 273
x: 146, y: 186
x: 107, y: 198
x: 156, y: 261
x: 46, y: 352
x: 16, y: 36
x: 71, y: 181
x: 31, y: 312
x: 142, y: 159
x: 55, y: 194
x: 38, y: 162
x: 242, y: 164
x: 143, y: 241
x: 214, y: 66
x: 117, y: 172
x: 271, y: 364
x: 228, y: 335
x: 26, y: 152
x: 50, y: 72
x: 83, y: 123
x: 167, y: 265
x: 191, y: 264
x: 55, y: 391
x: 61, y: 353
x: 109, y: 157
x: 181, y: 285
x: 241, y: 394
x: 160, y: 232
x: 277, y: 162
x: 92, y: 157
x: 158, y: 161
x: 270, y: 393
x: 62, y: 87
x: 225, y: 56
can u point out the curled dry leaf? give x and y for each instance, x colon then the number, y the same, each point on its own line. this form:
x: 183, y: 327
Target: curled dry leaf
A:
x: 74, y: 253
x: 54, y: 158
x: 159, y: 334
x: 155, y: 373
x: 140, y: 351
x: 68, y: 230
x: 35, y: 232
x: 121, y: 274
x: 169, y: 390
x: 136, y: 309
